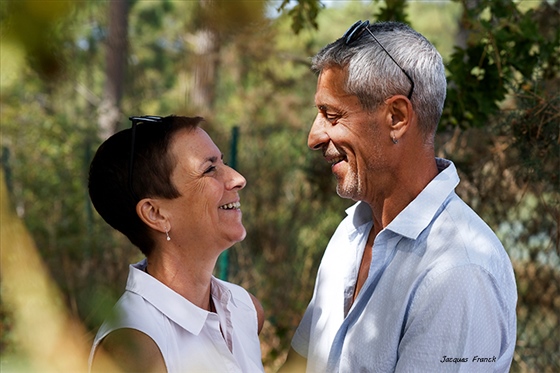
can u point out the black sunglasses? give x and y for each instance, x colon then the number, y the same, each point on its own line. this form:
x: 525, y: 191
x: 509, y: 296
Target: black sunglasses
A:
x: 135, y: 122
x: 357, y: 30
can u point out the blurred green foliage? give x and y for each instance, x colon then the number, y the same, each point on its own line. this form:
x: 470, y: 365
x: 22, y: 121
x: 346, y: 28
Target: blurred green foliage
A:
x: 508, y: 51
x: 500, y: 127
x: 303, y: 14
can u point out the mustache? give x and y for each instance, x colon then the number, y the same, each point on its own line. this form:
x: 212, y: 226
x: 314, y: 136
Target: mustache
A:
x: 332, y: 152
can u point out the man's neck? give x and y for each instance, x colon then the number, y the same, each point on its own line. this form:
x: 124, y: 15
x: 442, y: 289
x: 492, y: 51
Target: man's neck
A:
x: 405, y: 185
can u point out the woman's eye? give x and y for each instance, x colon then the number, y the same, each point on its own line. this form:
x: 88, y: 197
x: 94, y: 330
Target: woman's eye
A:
x: 210, y: 169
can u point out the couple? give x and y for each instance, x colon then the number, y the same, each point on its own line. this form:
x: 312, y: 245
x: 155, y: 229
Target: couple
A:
x: 412, y: 279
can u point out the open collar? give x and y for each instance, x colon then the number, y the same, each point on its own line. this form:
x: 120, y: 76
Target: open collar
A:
x: 415, y: 217
x: 172, y: 304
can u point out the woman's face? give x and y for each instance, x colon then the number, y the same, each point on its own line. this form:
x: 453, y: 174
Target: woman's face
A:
x: 207, y: 215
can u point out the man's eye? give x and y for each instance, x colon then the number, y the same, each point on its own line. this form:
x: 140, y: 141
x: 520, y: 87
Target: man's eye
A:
x: 331, y: 117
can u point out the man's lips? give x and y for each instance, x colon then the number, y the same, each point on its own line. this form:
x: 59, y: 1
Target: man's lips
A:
x: 334, y: 158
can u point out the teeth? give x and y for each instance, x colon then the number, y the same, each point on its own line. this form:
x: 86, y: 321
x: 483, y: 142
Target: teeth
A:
x: 333, y: 157
x: 230, y: 206
x: 336, y: 160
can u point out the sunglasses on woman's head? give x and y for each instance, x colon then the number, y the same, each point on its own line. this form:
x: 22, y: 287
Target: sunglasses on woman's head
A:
x: 135, y: 122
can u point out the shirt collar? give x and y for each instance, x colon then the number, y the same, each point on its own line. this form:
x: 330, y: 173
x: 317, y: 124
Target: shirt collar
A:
x: 415, y: 217
x: 172, y: 304
x: 361, y: 214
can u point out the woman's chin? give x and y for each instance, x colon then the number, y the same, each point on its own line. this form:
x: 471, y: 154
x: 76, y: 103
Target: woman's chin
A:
x: 237, y: 236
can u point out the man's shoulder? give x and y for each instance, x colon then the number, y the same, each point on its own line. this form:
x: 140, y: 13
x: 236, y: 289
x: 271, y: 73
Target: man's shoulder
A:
x: 459, y: 237
x: 459, y: 217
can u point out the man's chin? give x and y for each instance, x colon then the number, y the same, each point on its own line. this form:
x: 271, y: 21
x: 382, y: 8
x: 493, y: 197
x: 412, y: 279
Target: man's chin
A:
x: 345, y: 193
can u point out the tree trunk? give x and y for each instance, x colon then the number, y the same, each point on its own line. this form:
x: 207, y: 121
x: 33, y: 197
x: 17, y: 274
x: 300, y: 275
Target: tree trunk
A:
x: 465, y: 23
x: 117, y: 42
x: 207, y: 48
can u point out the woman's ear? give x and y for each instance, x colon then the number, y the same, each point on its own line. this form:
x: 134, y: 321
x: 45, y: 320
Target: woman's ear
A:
x: 150, y: 212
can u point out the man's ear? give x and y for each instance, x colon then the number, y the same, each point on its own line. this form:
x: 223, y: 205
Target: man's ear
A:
x: 401, y: 112
x: 151, y: 213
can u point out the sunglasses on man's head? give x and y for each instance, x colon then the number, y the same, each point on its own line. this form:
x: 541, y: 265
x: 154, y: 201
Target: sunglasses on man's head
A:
x: 135, y: 122
x: 357, y: 30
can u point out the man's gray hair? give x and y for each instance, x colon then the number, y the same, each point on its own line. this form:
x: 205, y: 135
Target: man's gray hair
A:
x: 373, y: 77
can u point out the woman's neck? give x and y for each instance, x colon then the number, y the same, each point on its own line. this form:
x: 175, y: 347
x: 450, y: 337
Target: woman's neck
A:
x: 187, y: 275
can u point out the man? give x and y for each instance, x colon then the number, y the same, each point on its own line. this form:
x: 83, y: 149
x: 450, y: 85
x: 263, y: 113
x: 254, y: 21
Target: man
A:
x: 412, y: 280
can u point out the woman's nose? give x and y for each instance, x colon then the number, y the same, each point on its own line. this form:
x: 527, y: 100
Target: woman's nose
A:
x: 236, y: 180
x: 317, y: 135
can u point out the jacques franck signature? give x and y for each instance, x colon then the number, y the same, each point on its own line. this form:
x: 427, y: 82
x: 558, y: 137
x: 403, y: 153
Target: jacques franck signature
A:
x: 475, y: 359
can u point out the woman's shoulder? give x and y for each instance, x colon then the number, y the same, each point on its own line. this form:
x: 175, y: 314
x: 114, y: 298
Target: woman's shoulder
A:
x: 238, y: 292
x: 131, y: 312
x: 242, y: 297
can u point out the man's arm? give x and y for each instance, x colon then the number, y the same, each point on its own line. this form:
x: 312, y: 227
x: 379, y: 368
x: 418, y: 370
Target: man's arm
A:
x: 295, y: 363
x: 132, y: 351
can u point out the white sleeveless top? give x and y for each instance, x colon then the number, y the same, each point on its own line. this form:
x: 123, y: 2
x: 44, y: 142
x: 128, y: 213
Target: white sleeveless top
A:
x: 189, y: 338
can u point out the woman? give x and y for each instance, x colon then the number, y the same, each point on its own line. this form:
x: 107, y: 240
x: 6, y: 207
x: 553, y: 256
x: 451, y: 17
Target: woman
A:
x: 164, y: 185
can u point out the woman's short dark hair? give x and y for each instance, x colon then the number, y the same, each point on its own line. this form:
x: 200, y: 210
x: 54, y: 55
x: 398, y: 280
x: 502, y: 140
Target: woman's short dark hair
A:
x: 153, y: 165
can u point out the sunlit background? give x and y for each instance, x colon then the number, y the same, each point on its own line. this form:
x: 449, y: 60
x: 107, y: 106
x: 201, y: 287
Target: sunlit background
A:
x: 72, y: 73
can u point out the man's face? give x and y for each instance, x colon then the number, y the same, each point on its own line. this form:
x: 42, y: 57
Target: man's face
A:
x: 352, y: 139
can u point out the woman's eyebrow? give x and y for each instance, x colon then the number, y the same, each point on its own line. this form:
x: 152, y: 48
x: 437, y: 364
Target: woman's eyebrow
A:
x: 213, y: 158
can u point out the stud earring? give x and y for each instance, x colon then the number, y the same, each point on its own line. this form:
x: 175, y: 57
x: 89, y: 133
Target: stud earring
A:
x: 395, y: 141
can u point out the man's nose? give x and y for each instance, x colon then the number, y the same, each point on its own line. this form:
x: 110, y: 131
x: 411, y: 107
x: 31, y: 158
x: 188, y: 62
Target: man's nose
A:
x: 317, y: 134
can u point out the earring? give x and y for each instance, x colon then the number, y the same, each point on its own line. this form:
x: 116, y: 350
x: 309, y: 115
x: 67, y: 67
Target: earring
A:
x: 395, y: 141
x: 167, y: 234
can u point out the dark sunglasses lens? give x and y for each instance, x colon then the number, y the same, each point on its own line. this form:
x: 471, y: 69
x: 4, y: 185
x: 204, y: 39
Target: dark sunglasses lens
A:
x: 351, y: 29
x: 355, y: 31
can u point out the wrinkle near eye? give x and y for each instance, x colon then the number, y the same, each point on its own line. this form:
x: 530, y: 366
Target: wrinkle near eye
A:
x: 197, y: 187
x: 211, y: 164
x: 328, y: 113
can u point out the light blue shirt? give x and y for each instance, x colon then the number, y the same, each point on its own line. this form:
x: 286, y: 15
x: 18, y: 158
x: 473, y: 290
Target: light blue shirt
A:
x: 440, y: 294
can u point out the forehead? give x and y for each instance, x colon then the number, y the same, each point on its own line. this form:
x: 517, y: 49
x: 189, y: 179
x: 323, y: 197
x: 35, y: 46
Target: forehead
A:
x: 193, y: 146
x: 331, y: 89
x: 332, y: 78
